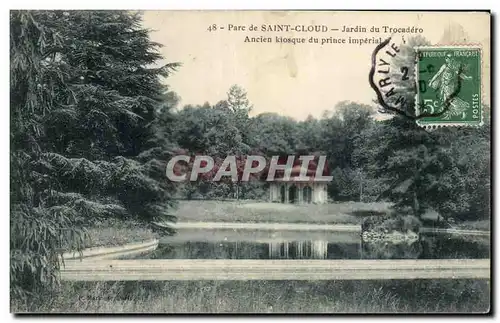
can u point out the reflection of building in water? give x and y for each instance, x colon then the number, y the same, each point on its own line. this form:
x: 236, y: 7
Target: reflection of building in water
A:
x: 298, y: 250
x: 312, y: 249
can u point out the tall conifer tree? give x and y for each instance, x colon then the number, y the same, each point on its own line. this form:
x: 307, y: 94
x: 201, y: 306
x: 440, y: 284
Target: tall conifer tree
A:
x: 89, y: 133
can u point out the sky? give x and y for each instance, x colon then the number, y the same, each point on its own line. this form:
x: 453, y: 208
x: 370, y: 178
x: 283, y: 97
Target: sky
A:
x: 293, y: 80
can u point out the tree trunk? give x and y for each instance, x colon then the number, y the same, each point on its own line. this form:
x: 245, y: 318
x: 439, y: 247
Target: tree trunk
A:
x: 415, y: 205
x: 361, y: 189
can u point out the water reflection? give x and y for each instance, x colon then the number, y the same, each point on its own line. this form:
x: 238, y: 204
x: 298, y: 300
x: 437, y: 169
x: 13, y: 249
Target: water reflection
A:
x: 313, y: 250
x: 214, y: 246
x: 258, y: 250
x: 298, y: 250
x: 446, y: 246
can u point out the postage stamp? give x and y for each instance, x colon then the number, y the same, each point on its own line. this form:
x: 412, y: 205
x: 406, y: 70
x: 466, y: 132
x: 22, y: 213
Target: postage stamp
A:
x: 448, y: 86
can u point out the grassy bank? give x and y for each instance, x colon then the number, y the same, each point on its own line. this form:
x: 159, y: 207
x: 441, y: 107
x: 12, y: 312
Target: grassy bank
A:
x: 332, y: 213
x: 251, y: 211
x: 422, y: 296
x: 114, y: 233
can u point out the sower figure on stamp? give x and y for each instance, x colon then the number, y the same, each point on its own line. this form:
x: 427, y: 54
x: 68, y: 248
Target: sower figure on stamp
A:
x: 447, y: 83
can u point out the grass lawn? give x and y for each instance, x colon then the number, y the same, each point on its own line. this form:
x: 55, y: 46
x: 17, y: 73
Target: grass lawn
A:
x: 251, y: 211
x: 389, y: 296
x: 115, y: 233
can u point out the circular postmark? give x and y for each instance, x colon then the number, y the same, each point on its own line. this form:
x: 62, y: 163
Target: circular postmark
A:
x: 392, y: 75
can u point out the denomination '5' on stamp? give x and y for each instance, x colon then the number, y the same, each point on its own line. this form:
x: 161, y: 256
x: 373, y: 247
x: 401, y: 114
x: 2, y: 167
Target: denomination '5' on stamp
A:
x: 448, y: 86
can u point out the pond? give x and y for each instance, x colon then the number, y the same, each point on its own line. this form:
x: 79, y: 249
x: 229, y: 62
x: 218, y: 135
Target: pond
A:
x: 255, y: 244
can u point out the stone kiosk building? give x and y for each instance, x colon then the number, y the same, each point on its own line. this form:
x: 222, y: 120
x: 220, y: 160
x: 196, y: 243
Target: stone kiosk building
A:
x: 299, y: 191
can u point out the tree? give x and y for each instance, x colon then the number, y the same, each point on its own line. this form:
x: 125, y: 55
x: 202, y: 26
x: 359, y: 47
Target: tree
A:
x: 237, y: 100
x: 36, y: 80
x: 240, y: 106
x: 207, y: 130
x: 274, y: 134
x: 446, y: 170
x: 310, y: 132
x: 86, y: 133
x: 470, y: 191
x: 340, y: 133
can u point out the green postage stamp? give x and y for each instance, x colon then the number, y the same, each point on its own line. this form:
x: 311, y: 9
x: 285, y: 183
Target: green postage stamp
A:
x: 448, y: 86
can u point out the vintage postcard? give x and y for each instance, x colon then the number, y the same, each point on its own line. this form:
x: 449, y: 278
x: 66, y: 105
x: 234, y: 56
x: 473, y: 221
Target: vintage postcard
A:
x: 250, y: 161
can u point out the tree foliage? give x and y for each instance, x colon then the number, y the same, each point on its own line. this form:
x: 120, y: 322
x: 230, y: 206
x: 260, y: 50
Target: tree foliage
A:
x: 87, y: 141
